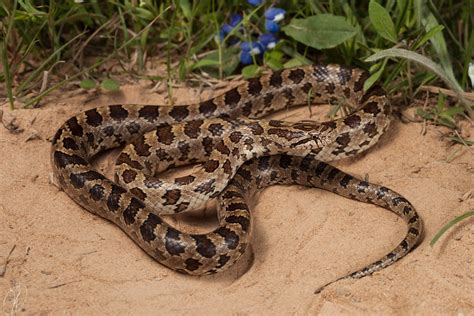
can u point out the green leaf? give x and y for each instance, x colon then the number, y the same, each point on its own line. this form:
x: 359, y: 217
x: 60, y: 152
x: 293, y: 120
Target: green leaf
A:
x: 206, y: 62
x: 250, y: 71
x: 382, y: 22
x: 145, y: 14
x: 454, y: 110
x: 320, y: 31
x: 428, y: 35
x: 294, y: 62
x: 442, y: 120
x: 274, y: 64
x: 439, y: 45
x: 186, y: 8
x: 87, y: 84
x: 375, y: 76
x: 273, y: 59
x: 211, y: 62
x: 110, y: 84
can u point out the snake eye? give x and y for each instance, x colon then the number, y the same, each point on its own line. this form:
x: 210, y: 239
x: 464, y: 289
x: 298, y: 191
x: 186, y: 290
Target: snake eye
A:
x: 301, y: 142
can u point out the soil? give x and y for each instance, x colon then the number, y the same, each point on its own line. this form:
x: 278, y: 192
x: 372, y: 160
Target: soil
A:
x: 57, y: 258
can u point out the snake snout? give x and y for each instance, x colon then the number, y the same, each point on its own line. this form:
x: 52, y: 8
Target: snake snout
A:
x: 321, y: 140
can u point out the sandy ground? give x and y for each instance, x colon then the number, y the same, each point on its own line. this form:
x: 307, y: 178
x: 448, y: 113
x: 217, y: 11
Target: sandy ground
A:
x: 56, y: 258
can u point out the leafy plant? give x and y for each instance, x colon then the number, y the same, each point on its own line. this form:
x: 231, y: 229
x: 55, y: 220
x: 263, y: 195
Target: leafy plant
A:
x: 406, y: 42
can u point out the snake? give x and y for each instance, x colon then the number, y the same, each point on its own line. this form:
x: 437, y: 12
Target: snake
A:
x: 241, y: 153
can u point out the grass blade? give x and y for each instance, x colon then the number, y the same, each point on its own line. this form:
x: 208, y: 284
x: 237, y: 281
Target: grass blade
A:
x: 4, y: 48
x: 430, y: 65
x: 45, y: 63
x: 95, y: 65
x: 449, y: 225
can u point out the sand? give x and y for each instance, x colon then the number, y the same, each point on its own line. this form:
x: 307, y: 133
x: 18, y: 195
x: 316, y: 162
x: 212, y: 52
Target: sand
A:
x: 56, y: 258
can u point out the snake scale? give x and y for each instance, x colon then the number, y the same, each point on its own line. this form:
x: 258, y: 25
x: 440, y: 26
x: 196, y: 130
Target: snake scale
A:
x: 240, y: 154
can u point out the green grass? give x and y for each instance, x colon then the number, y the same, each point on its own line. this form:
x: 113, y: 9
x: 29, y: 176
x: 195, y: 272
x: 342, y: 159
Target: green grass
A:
x: 450, y: 224
x: 72, y: 40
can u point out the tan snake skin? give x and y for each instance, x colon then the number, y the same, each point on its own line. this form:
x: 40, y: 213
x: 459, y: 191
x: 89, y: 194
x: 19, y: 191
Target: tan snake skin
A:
x: 223, y: 133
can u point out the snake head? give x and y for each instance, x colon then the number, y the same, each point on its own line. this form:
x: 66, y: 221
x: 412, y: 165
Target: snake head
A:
x: 313, y: 137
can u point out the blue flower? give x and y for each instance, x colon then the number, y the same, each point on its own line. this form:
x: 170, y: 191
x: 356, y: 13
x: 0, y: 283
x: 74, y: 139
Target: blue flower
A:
x: 272, y: 17
x: 235, y: 19
x: 250, y: 49
x: 245, y: 58
x: 275, y: 14
x: 254, y: 48
x: 219, y: 37
x: 268, y: 40
x: 226, y: 29
x: 271, y: 26
x: 255, y: 2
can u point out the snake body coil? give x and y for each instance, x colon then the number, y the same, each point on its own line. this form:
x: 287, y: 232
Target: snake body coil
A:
x: 226, y: 134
